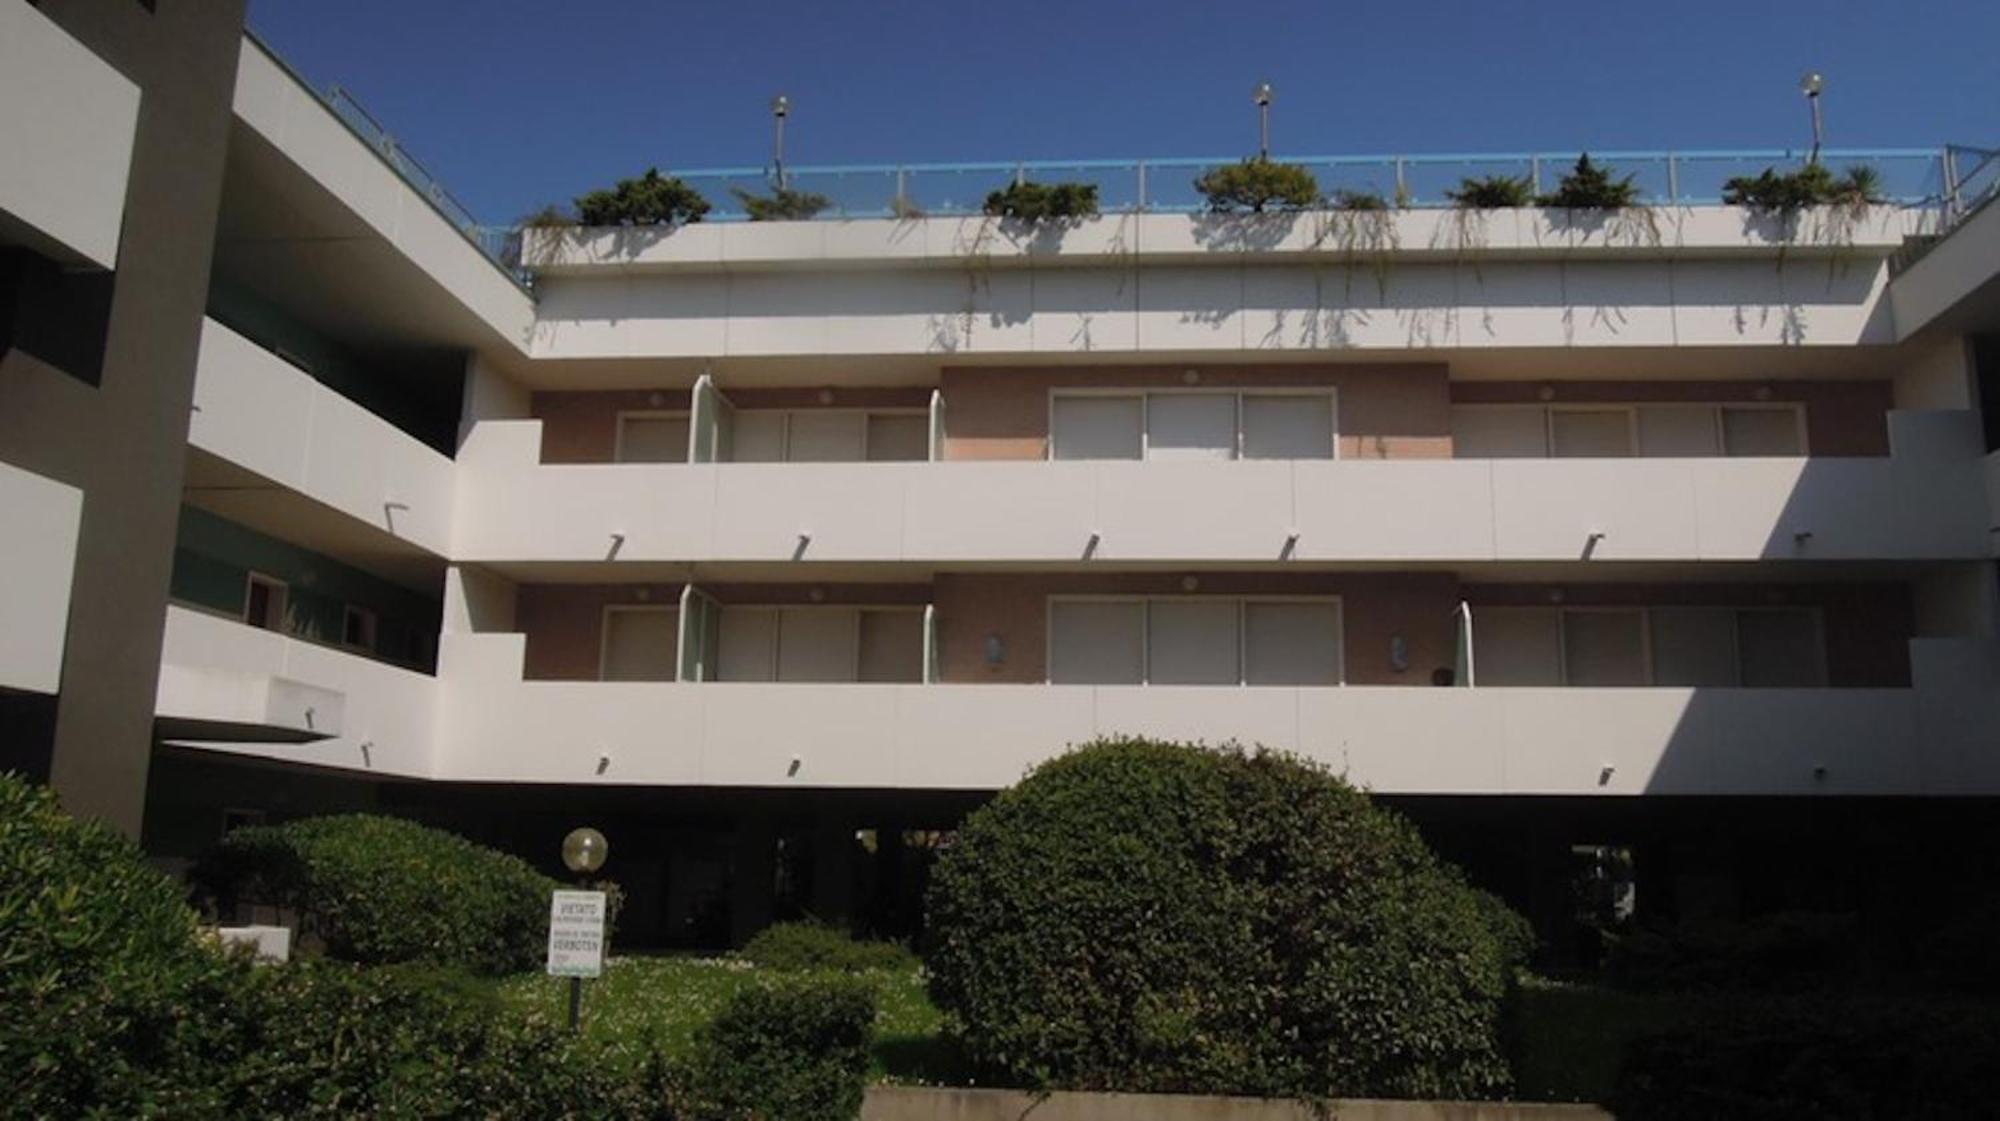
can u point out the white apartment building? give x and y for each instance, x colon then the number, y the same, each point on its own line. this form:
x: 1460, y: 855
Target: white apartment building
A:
x: 772, y: 548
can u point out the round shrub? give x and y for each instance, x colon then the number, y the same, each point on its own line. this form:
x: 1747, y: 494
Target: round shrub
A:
x: 787, y: 1048
x: 815, y: 945
x: 1257, y: 185
x: 112, y: 1004
x: 1150, y: 916
x: 381, y: 890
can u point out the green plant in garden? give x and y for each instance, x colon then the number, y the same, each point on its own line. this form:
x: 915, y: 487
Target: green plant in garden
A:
x: 1592, y: 186
x: 790, y: 1048
x: 1149, y: 916
x: 651, y: 199
x: 782, y: 205
x: 381, y: 890
x: 1257, y: 185
x: 1361, y: 201
x: 815, y: 945
x: 1492, y: 192
x: 1028, y: 201
x: 1787, y: 193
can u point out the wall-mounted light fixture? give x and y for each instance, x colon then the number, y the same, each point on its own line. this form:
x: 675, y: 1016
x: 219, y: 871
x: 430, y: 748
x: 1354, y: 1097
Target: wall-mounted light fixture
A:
x: 1191, y: 377
x: 1190, y: 583
x: 826, y: 396
x: 1546, y: 392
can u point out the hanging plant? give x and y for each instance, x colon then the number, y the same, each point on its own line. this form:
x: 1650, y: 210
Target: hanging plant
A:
x: 1492, y: 192
x: 1028, y: 201
x: 782, y: 205
x: 1590, y: 186
x: 651, y: 199
x: 1257, y: 185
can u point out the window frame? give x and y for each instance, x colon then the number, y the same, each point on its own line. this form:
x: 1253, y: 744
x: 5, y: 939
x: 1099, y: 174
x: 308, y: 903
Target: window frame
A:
x: 786, y: 413
x: 618, y: 434
x: 1796, y: 408
x: 371, y: 629
x: 1645, y: 613
x: 604, y: 637
x: 1240, y: 602
x: 1631, y: 408
x: 1236, y: 394
x: 778, y: 637
x: 1815, y: 612
x: 282, y: 592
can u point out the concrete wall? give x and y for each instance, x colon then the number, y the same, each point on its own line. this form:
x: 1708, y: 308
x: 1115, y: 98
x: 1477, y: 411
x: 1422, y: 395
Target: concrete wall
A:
x: 265, y: 415
x: 67, y: 122
x: 1926, y: 501
x: 38, y: 556
x: 1385, y: 412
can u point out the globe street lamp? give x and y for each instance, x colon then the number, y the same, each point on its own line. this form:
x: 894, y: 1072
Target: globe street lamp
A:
x: 1263, y: 97
x: 1811, y: 84
x: 583, y: 852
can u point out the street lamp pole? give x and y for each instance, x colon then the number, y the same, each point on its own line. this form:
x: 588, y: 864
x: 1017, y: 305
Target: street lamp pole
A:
x: 781, y: 107
x: 1263, y: 97
x: 583, y: 852
x: 1811, y: 85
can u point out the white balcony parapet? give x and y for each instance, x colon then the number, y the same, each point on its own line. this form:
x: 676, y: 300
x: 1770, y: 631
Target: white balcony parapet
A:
x: 230, y: 687
x: 67, y: 121
x: 1923, y: 503
x: 38, y: 558
x: 1618, y: 742
x: 265, y: 415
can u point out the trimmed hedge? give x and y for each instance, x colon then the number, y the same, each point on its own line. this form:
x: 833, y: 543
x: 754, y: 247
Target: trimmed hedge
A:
x: 1830, y: 1060
x: 790, y: 1048
x: 1148, y: 916
x: 385, y: 891
x: 815, y: 945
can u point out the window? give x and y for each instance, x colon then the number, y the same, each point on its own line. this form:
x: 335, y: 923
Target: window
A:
x: 1687, y: 647
x: 820, y: 644
x: 1604, y: 647
x: 650, y: 437
x: 1516, y: 646
x: 357, y: 628
x: 1176, y: 424
x: 1194, y: 641
x: 1661, y: 431
x: 829, y: 436
x: 1780, y: 648
x: 639, y: 644
x: 264, y: 602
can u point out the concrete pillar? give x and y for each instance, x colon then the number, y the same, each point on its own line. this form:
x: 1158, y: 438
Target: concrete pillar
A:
x: 488, y: 395
x: 753, y: 871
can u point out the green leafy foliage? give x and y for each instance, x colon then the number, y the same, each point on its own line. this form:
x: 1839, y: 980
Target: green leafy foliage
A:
x: 787, y: 1048
x: 1148, y: 916
x: 1043, y: 202
x: 1492, y: 192
x: 1345, y: 199
x: 1830, y: 1060
x: 815, y: 945
x: 651, y: 199
x: 382, y: 890
x: 1592, y: 186
x: 549, y: 216
x: 1774, y: 192
x: 1512, y: 932
x: 1257, y: 185
x: 782, y: 205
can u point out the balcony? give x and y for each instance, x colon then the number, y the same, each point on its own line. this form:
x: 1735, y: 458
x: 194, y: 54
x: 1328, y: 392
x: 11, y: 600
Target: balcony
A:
x: 1520, y: 741
x: 1926, y: 501
x: 67, y: 121
x: 309, y: 452
x: 231, y: 687
x: 38, y: 556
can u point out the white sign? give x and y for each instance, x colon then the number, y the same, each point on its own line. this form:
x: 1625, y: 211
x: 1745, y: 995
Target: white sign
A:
x: 576, y: 934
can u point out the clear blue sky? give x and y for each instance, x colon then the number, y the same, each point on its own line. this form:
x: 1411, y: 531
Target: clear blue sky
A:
x: 518, y: 102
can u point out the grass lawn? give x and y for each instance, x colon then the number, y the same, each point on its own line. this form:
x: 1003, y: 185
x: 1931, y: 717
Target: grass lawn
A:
x: 666, y: 998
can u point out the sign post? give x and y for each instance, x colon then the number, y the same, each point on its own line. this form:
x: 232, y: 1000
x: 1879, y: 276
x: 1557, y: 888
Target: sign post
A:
x: 576, y: 942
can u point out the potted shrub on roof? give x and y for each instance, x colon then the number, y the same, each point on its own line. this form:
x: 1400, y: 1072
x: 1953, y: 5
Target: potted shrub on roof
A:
x: 1258, y: 185
x: 1592, y: 186
x: 783, y: 204
x: 1492, y: 192
x: 1028, y: 201
x: 651, y: 199
x: 1772, y: 192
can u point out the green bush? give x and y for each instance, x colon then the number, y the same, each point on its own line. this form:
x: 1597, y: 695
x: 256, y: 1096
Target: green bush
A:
x: 1785, y: 193
x: 1512, y: 932
x: 1148, y: 916
x: 650, y: 200
x: 1784, y: 950
x: 1039, y: 202
x: 1346, y: 199
x: 788, y: 1048
x: 1829, y: 1060
x: 1492, y: 192
x: 381, y: 890
x: 1590, y: 186
x: 112, y: 1005
x: 1257, y: 185
x: 815, y: 945
x: 782, y: 205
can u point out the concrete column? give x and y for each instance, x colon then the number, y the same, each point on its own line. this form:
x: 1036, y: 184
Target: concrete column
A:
x: 488, y: 395
x: 753, y: 870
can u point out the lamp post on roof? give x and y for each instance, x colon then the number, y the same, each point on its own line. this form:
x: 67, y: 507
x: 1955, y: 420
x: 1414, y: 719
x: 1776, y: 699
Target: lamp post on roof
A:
x: 1263, y: 97
x: 781, y: 107
x: 1811, y: 84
